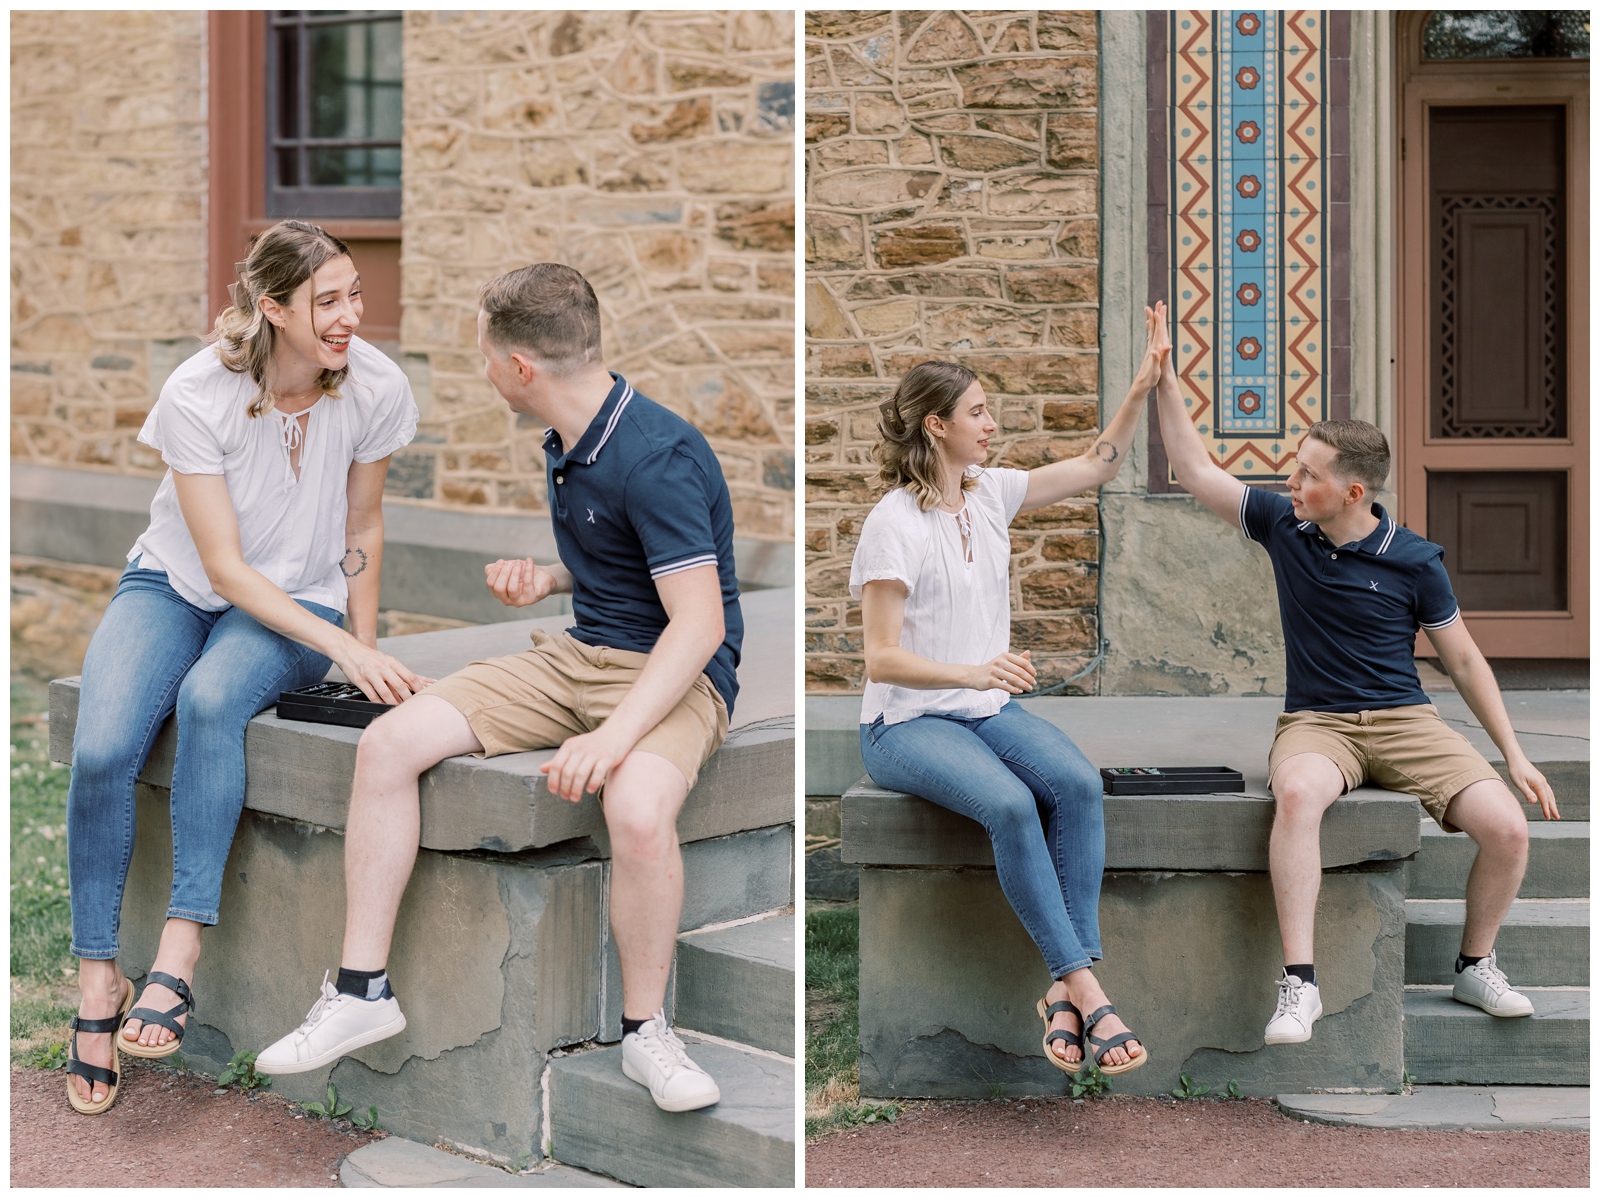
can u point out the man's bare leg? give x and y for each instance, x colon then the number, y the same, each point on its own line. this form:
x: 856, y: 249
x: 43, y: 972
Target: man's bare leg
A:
x: 384, y: 826
x: 642, y: 798
x: 1487, y: 812
x: 1305, y: 786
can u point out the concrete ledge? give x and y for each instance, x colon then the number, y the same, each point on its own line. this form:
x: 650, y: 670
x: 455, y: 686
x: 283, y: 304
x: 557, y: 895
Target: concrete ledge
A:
x: 949, y: 979
x: 395, y: 1161
x: 433, y: 557
x: 1180, y: 832
x: 1450, y: 1108
x: 1558, y: 862
x: 1552, y: 726
x: 1452, y: 1043
x: 738, y: 983
x: 1543, y: 942
x: 303, y: 771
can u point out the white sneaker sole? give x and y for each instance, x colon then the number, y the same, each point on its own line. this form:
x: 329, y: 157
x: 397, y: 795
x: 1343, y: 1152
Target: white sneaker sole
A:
x: 1280, y: 1038
x: 1469, y: 1001
x: 345, y: 1048
x: 683, y: 1104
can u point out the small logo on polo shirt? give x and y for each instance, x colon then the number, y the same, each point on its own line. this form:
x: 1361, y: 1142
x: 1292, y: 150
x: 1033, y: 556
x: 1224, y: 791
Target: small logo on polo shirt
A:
x: 590, y: 510
x: 1372, y: 586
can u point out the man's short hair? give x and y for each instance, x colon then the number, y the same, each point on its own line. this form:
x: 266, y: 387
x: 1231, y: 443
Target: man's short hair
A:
x: 1361, y: 451
x: 546, y: 310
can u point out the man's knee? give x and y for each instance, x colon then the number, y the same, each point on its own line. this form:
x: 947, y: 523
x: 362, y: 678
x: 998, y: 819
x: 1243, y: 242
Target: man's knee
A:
x: 1305, y: 787
x: 1489, y: 814
x: 399, y: 740
x: 641, y: 803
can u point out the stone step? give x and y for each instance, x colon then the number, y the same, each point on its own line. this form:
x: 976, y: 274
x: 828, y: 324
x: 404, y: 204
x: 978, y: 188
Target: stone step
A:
x: 1450, y: 1108
x: 395, y: 1161
x: 1543, y: 942
x: 1558, y: 862
x: 738, y: 983
x: 600, y: 1120
x: 1451, y: 1043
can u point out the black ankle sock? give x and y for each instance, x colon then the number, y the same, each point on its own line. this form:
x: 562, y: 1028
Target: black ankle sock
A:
x: 629, y: 1026
x: 1306, y: 973
x: 1462, y: 962
x: 363, y: 983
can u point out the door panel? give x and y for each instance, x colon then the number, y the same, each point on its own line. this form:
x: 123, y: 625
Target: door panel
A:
x: 1504, y: 535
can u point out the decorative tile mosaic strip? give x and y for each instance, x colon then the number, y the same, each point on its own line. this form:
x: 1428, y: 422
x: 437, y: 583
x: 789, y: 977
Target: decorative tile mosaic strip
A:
x: 1247, y: 218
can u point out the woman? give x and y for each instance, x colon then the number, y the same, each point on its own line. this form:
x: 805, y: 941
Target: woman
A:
x: 266, y: 530
x: 931, y: 571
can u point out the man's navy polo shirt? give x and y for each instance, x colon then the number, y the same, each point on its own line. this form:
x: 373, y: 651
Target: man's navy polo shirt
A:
x: 639, y: 497
x: 1350, y: 612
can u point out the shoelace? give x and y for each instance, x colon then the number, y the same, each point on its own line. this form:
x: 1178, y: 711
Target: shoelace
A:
x: 666, y: 1047
x: 1288, y: 994
x: 1488, y: 970
x: 319, y: 1009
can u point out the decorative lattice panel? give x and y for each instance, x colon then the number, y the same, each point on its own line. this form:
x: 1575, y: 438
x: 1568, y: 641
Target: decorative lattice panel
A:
x: 1247, y: 226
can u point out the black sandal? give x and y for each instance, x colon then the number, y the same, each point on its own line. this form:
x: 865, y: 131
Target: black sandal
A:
x: 1105, y: 1046
x: 95, y: 1073
x: 166, y: 1019
x: 1073, y: 1039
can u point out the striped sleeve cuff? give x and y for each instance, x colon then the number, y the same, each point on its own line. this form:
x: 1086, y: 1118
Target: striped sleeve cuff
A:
x: 686, y: 563
x: 1244, y: 498
x: 1454, y: 616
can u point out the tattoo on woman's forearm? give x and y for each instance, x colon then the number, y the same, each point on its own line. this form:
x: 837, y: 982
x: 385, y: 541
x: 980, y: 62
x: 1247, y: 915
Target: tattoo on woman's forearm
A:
x: 1105, y: 451
x: 344, y: 562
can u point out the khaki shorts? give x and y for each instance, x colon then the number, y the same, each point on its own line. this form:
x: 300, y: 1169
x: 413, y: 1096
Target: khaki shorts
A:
x: 1409, y: 749
x: 563, y: 687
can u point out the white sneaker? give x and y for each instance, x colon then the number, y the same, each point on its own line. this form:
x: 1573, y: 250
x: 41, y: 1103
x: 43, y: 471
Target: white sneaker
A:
x: 1483, y: 985
x: 1299, y: 1006
x: 337, y: 1024
x: 653, y: 1056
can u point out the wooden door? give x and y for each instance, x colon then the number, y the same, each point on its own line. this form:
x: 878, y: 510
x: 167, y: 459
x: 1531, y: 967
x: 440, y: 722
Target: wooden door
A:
x: 1492, y: 373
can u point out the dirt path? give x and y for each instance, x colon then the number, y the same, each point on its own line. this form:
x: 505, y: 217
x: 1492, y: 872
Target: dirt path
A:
x: 169, y: 1129
x: 1128, y: 1141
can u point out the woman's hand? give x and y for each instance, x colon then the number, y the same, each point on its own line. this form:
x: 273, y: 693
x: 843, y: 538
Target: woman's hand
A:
x: 1158, y: 343
x: 382, y: 678
x: 1010, y: 672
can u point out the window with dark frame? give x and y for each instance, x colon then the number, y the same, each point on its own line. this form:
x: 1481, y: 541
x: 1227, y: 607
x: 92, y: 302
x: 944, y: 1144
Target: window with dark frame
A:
x: 334, y: 114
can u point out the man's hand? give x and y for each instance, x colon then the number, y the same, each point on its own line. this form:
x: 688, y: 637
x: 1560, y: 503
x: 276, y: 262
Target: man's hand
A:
x: 519, y: 583
x: 1533, y: 786
x: 582, y: 764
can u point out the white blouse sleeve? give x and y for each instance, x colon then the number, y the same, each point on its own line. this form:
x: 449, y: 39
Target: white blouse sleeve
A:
x: 178, y: 430
x: 391, y: 420
x: 1013, y: 489
x: 888, y: 548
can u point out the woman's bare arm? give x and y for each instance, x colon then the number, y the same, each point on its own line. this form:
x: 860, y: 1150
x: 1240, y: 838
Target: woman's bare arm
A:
x: 883, y: 610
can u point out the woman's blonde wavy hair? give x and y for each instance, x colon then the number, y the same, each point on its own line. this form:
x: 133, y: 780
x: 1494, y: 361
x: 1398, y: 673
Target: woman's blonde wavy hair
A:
x: 281, y: 259
x: 905, y: 451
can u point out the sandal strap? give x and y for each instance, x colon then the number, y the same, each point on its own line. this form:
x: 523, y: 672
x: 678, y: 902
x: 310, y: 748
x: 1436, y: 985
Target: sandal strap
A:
x: 1056, y: 1008
x: 1106, y: 1046
x: 1090, y: 1020
x: 95, y: 1073
x: 1073, y: 1039
x: 109, y: 1024
x: 177, y: 985
x: 148, y: 1016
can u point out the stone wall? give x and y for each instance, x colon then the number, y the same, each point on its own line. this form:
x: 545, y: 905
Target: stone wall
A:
x: 652, y: 151
x: 108, y: 188
x: 952, y: 211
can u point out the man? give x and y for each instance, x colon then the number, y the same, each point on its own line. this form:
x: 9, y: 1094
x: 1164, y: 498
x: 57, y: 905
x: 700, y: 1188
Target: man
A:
x: 637, y: 693
x: 1353, y: 588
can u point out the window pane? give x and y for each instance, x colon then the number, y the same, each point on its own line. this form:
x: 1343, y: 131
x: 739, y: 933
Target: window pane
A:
x: 1516, y: 34
x: 355, y: 167
x: 288, y: 168
x: 355, y: 80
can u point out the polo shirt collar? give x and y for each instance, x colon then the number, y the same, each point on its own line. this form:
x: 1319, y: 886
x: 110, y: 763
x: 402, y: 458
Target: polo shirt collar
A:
x: 600, y: 428
x: 1376, y: 542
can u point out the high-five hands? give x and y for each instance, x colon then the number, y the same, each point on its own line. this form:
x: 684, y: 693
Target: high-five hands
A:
x: 1010, y: 672
x: 520, y: 582
x: 1158, y: 344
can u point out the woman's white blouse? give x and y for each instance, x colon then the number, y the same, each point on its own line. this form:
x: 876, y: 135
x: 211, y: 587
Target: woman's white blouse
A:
x: 957, y: 612
x: 292, y: 531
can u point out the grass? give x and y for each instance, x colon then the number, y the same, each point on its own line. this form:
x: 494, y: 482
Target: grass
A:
x: 833, y: 1071
x: 42, y: 970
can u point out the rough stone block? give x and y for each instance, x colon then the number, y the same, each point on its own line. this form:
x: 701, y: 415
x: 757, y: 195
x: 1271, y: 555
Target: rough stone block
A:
x: 1558, y: 863
x: 601, y: 1120
x: 1452, y: 1043
x: 738, y: 983
x: 395, y: 1162
x: 949, y: 980
x: 1543, y: 942
x: 1191, y: 832
x: 496, y: 961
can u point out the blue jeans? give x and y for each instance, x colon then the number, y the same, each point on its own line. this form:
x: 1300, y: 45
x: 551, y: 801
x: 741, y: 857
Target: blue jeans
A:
x: 1036, y: 795
x: 155, y: 652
